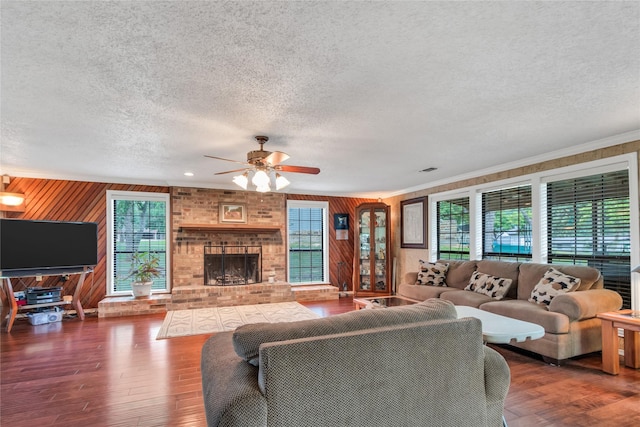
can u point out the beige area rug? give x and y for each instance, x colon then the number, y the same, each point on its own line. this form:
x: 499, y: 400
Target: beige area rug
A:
x: 180, y: 323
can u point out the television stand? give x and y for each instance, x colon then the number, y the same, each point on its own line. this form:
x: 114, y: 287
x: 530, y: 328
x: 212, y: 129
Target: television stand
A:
x: 10, y: 307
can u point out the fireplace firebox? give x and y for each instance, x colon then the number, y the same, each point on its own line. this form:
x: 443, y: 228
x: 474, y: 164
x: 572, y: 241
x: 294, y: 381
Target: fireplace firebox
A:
x: 232, y: 265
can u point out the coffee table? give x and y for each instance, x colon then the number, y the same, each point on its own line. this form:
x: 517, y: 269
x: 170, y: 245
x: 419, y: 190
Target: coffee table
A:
x: 383, y: 302
x: 628, y: 320
x: 497, y: 329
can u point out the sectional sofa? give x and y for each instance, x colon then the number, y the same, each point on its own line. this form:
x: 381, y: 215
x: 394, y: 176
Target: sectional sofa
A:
x: 563, y: 299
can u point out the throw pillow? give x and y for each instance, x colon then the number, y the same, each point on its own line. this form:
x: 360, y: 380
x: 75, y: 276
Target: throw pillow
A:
x: 476, y: 279
x: 432, y: 273
x: 486, y: 284
x: 553, y: 283
x: 247, y: 338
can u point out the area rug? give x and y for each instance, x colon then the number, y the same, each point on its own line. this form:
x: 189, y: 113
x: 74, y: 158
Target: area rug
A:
x: 180, y: 323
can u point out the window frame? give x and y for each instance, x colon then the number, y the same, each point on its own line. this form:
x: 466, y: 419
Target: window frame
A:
x: 434, y: 223
x: 496, y: 195
x: 113, y: 195
x: 307, y: 204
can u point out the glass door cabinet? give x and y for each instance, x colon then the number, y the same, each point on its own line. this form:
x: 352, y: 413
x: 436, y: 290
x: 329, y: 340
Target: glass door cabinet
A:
x: 372, y: 250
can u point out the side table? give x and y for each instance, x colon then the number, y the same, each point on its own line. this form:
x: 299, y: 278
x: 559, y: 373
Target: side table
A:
x: 628, y: 320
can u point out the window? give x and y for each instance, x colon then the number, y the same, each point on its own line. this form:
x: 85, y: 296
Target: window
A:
x: 307, y: 237
x: 584, y: 214
x: 453, y: 228
x: 506, y: 224
x: 137, y: 223
x: 589, y: 224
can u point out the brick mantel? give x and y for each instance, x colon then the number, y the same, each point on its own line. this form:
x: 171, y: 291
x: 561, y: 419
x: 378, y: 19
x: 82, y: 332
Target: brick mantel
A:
x: 233, y: 228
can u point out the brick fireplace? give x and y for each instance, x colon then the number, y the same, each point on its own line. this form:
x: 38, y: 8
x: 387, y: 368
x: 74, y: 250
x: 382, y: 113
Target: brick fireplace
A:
x: 201, y: 206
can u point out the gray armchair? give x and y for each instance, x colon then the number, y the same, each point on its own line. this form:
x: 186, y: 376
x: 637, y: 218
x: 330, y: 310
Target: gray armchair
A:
x: 423, y: 373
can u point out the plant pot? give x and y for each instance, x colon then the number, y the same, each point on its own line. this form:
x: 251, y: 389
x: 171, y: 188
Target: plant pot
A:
x: 141, y: 289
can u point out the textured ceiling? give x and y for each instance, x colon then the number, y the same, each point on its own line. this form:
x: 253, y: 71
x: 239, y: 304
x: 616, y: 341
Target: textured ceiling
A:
x: 369, y: 92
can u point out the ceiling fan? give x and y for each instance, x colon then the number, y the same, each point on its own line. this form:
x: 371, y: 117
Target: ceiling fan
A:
x: 262, y: 164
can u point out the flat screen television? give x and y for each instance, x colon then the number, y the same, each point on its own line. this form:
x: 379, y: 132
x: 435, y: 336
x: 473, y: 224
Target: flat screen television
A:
x: 32, y: 247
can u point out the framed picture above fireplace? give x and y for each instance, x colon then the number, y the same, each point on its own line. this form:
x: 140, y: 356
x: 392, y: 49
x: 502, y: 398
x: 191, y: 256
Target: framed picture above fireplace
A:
x: 233, y: 212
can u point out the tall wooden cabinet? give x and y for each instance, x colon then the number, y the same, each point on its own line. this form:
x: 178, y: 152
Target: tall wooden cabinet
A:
x: 372, y: 269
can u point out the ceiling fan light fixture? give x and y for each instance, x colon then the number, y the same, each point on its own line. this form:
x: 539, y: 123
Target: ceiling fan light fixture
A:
x: 260, y: 179
x: 281, y: 182
x: 263, y: 188
x: 262, y: 166
x: 242, y: 180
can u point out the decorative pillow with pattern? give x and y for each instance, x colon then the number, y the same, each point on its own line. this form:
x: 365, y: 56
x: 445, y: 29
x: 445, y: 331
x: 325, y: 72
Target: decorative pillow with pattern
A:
x: 477, y: 279
x: 552, y: 284
x: 486, y: 284
x: 432, y: 273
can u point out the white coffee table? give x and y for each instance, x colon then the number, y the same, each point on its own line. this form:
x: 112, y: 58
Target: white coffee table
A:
x: 497, y: 329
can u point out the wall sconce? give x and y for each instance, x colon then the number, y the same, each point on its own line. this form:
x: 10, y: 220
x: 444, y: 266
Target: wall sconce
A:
x: 11, y: 202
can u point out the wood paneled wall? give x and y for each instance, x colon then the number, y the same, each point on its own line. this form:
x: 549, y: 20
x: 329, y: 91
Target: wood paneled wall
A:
x: 59, y: 200
x: 339, y: 250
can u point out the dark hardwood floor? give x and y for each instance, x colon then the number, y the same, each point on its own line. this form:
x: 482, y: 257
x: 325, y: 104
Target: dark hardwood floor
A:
x: 113, y: 372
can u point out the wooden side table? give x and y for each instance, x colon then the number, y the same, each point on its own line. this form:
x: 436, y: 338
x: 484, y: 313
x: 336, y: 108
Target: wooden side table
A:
x: 628, y: 320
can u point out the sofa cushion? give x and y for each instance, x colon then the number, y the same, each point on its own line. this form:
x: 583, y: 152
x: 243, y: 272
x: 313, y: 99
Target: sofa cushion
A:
x: 553, y: 283
x: 459, y: 273
x: 495, y: 287
x: 461, y: 297
x: 248, y: 338
x: 553, y: 323
x: 432, y: 273
x: 421, y: 292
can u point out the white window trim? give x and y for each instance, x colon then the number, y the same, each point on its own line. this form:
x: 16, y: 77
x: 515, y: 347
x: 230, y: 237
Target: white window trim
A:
x: 538, y: 183
x: 325, y: 235
x: 136, y: 195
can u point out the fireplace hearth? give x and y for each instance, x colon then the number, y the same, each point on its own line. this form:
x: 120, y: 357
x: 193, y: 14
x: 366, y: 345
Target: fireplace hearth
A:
x: 232, y: 265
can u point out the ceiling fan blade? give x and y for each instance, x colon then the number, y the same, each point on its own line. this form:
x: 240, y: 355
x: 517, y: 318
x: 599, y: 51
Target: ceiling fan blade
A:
x: 235, y: 170
x: 297, y: 169
x: 227, y: 160
x: 276, y: 157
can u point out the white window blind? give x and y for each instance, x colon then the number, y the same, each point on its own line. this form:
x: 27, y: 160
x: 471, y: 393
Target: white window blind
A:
x: 506, y: 224
x: 589, y: 224
x: 453, y: 228
x: 137, y: 223
x: 307, y: 242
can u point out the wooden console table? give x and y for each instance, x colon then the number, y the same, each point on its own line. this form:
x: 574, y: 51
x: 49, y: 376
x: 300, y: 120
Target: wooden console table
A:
x: 10, y: 306
x: 628, y: 320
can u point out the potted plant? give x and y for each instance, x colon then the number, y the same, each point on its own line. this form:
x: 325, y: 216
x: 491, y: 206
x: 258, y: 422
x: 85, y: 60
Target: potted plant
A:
x: 144, y: 267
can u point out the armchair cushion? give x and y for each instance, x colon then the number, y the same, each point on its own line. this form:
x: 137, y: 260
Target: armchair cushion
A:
x: 248, y: 338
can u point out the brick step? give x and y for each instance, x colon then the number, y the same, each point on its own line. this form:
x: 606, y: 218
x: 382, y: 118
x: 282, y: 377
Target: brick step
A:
x: 315, y: 292
x: 130, y: 306
x: 200, y: 296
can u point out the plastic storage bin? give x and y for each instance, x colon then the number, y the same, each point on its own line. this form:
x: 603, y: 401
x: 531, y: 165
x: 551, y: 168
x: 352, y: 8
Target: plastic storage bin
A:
x: 48, y: 316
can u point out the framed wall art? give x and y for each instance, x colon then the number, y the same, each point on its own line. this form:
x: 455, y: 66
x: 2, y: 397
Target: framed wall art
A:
x: 413, y: 224
x: 341, y: 225
x: 233, y: 212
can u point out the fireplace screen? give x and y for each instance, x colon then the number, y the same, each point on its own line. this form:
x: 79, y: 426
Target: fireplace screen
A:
x: 232, y: 265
